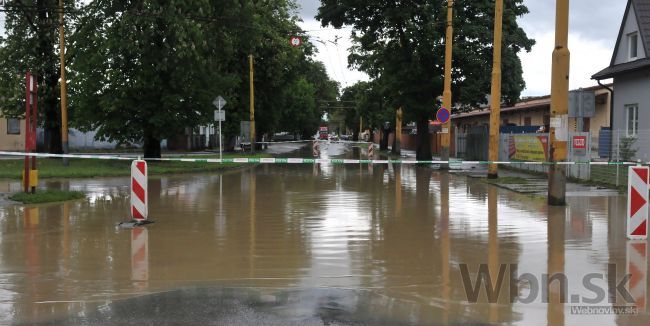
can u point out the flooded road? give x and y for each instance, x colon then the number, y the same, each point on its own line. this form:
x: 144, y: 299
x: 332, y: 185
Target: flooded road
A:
x: 312, y: 244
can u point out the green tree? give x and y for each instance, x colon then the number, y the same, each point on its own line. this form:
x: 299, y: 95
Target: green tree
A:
x: 31, y: 43
x: 368, y: 101
x: 402, y: 47
x: 315, y: 88
x: 146, y: 70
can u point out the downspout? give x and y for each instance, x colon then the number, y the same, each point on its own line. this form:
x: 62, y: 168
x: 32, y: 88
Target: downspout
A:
x: 611, y: 119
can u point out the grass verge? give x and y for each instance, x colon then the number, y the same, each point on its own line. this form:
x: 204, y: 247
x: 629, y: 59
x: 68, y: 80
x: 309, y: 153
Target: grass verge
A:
x: 46, y: 196
x: 91, y: 168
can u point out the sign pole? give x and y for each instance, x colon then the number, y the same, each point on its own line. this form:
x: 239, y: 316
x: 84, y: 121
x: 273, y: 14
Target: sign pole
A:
x: 252, y: 101
x: 495, y: 105
x: 559, y: 106
x: 220, y: 147
x: 28, y: 129
x: 219, y: 116
x: 446, y: 126
x: 64, y: 92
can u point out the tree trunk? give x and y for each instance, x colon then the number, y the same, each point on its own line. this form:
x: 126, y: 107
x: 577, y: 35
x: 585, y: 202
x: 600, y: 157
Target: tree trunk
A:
x: 52, y: 139
x: 52, y: 117
x: 423, y: 140
x: 383, y: 144
x: 394, y: 148
x: 151, y: 146
x: 355, y: 134
x: 49, y: 78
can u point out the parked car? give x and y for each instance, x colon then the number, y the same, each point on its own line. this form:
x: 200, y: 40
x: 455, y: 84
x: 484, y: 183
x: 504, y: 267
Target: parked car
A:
x: 283, y: 136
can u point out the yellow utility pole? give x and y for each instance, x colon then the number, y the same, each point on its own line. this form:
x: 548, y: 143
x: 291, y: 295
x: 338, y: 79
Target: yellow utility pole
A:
x: 64, y: 85
x: 360, y: 127
x: 398, y: 132
x: 252, y: 102
x: 559, y: 106
x: 495, y: 106
x: 446, y: 95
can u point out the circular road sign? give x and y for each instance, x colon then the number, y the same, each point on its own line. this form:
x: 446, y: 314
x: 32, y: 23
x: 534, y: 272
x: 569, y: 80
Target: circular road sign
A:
x: 296, y: 41
x: 443, y: 115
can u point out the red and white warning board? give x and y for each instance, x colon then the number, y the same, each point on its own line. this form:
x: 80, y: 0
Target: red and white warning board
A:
x: 637, y: 268
x: 139, y: 202
x: 637, y: 202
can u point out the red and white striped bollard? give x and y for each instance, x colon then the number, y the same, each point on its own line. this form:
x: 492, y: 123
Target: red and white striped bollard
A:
x: 139, y: 203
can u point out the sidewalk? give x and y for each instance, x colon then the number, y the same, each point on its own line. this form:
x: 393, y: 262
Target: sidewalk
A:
x: 534, y: 184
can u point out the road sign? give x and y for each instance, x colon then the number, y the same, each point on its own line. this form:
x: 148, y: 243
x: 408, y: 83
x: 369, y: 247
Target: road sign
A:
x: 219, y: 115
x: 582, y: 104
x: 296, y: 41
x: 443, y: 115
x: 219, y: 103
x: 579, y: 144
x: 637, y: 202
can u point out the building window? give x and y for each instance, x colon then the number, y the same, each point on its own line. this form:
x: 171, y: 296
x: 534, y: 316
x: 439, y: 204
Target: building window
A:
x: 632, y: 41
x: 13, y: 126
x: 632, y: 118
x: 528, y: 121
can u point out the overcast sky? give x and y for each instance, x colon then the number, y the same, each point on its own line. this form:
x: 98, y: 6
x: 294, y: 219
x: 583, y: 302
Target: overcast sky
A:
x: 593, y: 28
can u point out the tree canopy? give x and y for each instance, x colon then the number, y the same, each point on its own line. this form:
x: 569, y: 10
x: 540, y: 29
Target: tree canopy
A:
x: 147, y: 70
x: 143, y: 71
x: 401, y: 46
x: 31, y: 43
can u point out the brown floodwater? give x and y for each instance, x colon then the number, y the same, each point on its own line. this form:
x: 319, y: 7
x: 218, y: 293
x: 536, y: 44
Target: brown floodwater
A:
x: 382, y: 244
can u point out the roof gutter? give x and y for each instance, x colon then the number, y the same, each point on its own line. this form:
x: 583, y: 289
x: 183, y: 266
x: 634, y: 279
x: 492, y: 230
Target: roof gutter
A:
x: 611, y: 118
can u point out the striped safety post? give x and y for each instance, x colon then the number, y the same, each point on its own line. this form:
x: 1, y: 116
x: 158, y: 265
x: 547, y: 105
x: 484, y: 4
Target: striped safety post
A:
x: 637, y: 202
x: 139, y: 201
x: 315, y: 148
x: 371, y: 150
x: 140, y: 256
x: 637, y: 269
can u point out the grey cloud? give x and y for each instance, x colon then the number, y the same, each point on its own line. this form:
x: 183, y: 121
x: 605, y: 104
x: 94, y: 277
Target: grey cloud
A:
x: 308, y: 9
x: 593, y: 20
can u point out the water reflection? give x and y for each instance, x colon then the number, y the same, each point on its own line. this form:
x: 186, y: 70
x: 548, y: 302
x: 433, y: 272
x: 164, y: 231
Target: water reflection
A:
x: 557, y: 286
x: 392, y: 235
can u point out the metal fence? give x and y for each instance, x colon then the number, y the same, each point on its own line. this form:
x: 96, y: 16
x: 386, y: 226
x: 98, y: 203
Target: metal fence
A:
x: 474, y: 144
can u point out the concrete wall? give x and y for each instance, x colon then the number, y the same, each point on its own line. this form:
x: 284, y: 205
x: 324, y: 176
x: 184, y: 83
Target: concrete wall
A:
x: 631, y: 26
x: 633, y: 88
x: 10, y: 142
